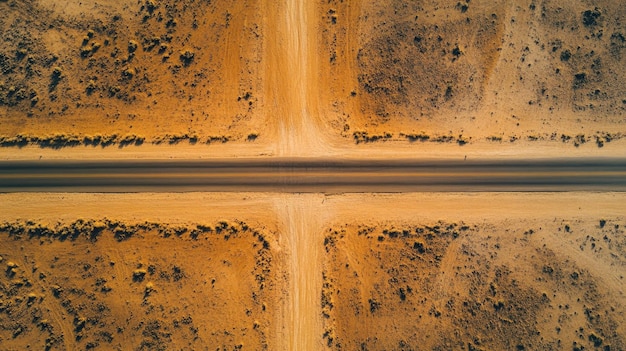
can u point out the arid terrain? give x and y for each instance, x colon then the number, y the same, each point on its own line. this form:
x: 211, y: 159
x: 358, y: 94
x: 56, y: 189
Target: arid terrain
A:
x: 128, y: 72
x: 106, y: 284
x: 312, y: 80
x: 466, y: 71
x: 491, y: 286
x: 440, y: 271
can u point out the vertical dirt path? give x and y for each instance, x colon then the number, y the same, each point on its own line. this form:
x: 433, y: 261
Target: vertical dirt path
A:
x: 302, y: 217
x: 231, y: 59
x: 291, y: 77
x: 292, y: 93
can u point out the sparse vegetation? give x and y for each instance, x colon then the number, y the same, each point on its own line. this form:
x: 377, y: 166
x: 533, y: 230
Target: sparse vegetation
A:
x: 132, y: 46
x: 365, y: 137
x: 590, y: 17
x: 416, y: 136
x: 252, y: 136
x: 76, y: 285
x: 114, y: 59
x: 400, y: 271
x: 187, y: 56
x: 61, y: 140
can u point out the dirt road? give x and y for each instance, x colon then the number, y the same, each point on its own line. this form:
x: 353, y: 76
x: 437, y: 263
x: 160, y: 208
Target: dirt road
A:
x: 291, y: 91
x: 291, y: 74
x: 304, y: 238
x: 314, y: 175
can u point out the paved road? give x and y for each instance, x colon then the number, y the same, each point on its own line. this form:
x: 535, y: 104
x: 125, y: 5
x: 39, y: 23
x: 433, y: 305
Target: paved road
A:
x: 313, y: 175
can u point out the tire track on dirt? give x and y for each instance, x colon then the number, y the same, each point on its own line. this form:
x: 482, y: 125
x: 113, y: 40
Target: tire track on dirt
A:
x: 58, y: 315
x: 302, y: 217
x: 291, y: 78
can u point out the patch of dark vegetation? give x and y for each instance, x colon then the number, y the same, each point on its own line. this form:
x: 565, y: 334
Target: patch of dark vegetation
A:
x: 443, y: 139
x: 456, y: 52
x: 579, y: 140
x: 365, y: 137
x: 600, y: 138
x: 412, y: 137
x: 327, y: 301
x: 156, y: 336
x: 590, y: 17
x: 461, y: 140
x: 186, y: 57
x: 423, y: 137
x: 173, y: 139
x: 55, y: 78
x: 374, y: 305
x: 91, y: 230
x: 59, y: 141
x: 462, y: 6
x: 580, y: 79
x: 494, y: 138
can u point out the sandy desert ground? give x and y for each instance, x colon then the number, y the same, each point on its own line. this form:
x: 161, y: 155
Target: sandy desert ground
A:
x: 313, y: 271
x: 464, y: 71
x: 328, y: 77
x: 106, y: 284
x: 279, y: 271
x: 131, y: 71
x: 488, y: 286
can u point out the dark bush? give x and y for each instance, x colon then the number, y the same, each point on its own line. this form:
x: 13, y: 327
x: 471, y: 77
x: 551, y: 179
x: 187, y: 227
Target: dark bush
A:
x: 590, y: 17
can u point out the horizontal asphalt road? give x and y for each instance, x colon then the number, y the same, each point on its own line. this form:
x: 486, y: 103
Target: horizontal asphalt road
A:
x: 313, y: 175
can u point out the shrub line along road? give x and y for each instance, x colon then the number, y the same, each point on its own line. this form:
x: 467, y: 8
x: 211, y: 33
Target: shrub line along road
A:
x: 313, y: 175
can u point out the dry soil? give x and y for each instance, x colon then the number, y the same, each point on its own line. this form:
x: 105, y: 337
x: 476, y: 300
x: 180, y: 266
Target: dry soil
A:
x: 421, y: 79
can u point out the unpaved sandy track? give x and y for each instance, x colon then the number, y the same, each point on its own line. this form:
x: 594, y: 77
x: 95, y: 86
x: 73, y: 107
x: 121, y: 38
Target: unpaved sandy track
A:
x: 292, y: 78
x: 292, y: 93
x: 302, y: 221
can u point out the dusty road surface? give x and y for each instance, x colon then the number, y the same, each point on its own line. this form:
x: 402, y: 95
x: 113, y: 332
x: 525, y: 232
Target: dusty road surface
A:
x: 292, y: 78
x: 314, y: 175
x: 304, y: 240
